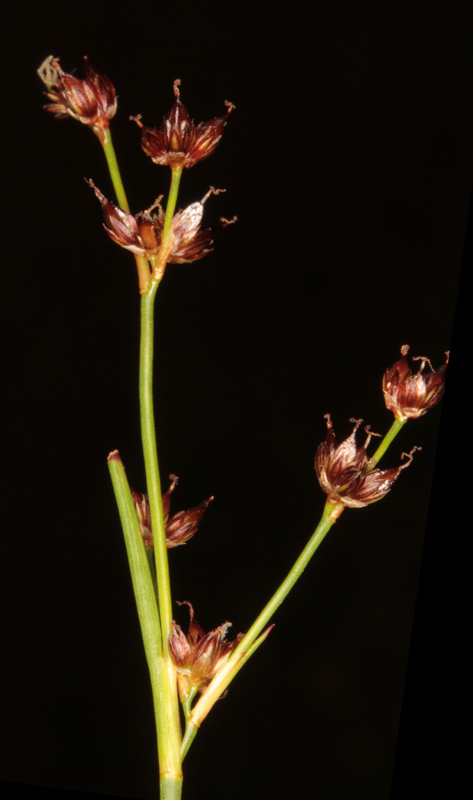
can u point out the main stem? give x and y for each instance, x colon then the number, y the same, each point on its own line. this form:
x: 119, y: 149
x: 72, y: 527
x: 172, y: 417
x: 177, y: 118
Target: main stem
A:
x: 167, y: 711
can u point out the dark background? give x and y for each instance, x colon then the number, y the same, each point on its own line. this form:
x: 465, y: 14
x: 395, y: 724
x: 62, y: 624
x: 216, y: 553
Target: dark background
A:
x: 348, y: 161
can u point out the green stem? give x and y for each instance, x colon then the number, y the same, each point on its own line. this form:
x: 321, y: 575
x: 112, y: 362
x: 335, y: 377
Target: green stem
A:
x: 172, y: 200
x: 248, y: 644
x: 148, y: 435
x: 141, y: 261
x: 391, y: 434
x: 187, y: 702
x: 188, y: 738
x: 159, y: 261
x: 112, y: 162
x: 170, y: 789
x: 161, y: 671
x: 168, y: 723
x: 298, y: 568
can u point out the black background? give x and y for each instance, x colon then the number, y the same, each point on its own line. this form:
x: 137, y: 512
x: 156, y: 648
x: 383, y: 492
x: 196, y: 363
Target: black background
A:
x: 348, y: 161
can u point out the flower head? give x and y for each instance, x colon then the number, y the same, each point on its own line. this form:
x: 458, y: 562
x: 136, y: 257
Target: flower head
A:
x: 179, y: 528
x: 198, y: 656
x: 91, y: 100
x: 410, y: 396
x: 344, y: 471
x: 142, y: 233
x: 179, y: 143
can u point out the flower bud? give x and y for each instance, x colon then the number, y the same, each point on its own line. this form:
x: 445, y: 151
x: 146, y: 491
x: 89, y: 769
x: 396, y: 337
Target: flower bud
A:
x: 91, y: 100
x: 182, y: 526
x: 410, y: 396
x: 179, y: 143
x: 179, y: 528
x: 344, y: 470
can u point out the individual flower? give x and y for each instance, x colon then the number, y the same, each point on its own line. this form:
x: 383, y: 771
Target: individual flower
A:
x: 410, y: 396
x: 91, y: 100
x: 190, y: 241
x: 344, y: 471
x: 179, y: 528
x: 142, y: 234
x: 198, y: 656
x: 179, y: 143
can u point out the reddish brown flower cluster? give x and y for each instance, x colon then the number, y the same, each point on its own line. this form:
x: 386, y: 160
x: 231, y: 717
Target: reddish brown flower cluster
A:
x: 142, y: 234
x: 199, y: 656
x: 91, y: 100
x: 410, y: 396
x: 179, y: 528
x: 344, y: 470
x: 179, y: 143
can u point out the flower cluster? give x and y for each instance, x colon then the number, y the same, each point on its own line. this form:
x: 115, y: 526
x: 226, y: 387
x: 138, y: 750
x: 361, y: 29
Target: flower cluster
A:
x: 91, y: 100
x: 179, y: 528
x: 410, y: 396
x: 199, y: 656
x: 142, y: 233
x: 345, y: 473
x: 179, y: 142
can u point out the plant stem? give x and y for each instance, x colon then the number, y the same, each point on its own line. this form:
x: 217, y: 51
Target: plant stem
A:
x: 112, y: 162
x: 298, y: 568
x: 188, y: 738
x: 148, y: 435
x: 159, y: 262
x: 248, y: 644
x: 109, y: 150
x: 167, y: 712
x: 391, y: 434
x: 172, y: 200
x: 162, y: 677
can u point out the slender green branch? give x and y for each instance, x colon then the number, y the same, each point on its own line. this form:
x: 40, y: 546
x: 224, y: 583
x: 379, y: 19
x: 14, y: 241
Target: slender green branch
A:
x: 188, y: 738
x: 109, y: 150
x: 159, y: 261
x: 326, y: 522
x: 223, y: 678
x: 391, y: 434
x: 114, y: 170
x: 172, y: 200
x: 248, y: 644
x: 187, y: 703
